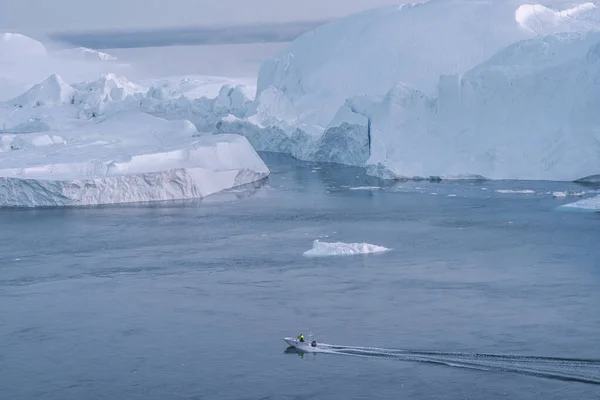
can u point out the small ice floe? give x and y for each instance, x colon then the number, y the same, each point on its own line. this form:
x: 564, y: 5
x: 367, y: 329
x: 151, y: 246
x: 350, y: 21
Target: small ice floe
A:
x: 512, y: 191
x: 322, y: 249
x: 366, y: 188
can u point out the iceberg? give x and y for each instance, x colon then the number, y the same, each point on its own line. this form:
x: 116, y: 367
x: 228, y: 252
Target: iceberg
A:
x: 323, y: 249
x: 198, y: 86
x: 497, y: 90
x: 369, y: 52
x: 54, y: 154
x: 515, y: 191
x: 527, y: 113
x: 590, y: 204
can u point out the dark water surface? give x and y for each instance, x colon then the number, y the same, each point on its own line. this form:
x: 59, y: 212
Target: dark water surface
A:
x: 191, y: 301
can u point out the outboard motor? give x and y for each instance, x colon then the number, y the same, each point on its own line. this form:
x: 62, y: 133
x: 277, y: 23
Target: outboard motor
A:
x: 313, y: 343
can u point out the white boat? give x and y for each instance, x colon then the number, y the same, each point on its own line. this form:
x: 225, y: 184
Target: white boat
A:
x: 307, y: 345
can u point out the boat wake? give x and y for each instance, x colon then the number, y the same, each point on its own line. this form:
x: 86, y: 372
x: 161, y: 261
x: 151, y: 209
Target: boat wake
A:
x: 567, y: 369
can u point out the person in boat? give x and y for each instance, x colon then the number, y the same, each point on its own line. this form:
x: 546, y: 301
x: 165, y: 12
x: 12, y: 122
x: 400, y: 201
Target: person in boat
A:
x: 301, y: 337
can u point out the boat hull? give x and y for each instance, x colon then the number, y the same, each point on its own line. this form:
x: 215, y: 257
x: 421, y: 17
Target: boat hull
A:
x: 304, y: 346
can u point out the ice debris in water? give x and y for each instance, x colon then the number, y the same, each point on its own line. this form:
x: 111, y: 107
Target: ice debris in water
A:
x: 511, y: 191
x: 322, y: 249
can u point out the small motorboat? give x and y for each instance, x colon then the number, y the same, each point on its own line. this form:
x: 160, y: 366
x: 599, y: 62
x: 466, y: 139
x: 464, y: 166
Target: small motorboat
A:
x: 307, y: 346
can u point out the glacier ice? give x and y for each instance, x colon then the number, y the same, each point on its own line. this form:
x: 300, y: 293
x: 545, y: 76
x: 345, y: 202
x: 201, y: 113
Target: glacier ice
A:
x: 198, y: 86
x: 324, y: 249
x: 51, y: 92
x: 511, y: 117
x: 369, y: 52
x: 54, y: 154
x: 69, y: 142
x: 498, y: 90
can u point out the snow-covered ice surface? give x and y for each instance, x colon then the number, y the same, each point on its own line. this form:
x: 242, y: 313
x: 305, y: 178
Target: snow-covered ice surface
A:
x: 324, y: 249
x: 66, y: 142
x: 498, y: 90
x: 67, y: 145
x: 198, y: 86
x: 369, y: 52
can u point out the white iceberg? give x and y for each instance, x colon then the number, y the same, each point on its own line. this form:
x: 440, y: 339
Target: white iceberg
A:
x: 369, y: 52
x: 198, y: 86
x: 323, y: 249
x: 590, y: 204
x: 515, y: 191
x: 52, y: 153
x: 498, y: 90
x: 527, y: 113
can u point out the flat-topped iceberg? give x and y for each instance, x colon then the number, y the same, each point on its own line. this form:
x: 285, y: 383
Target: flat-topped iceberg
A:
x: 58, y: 147
x: 450, y: 89
x: 369, y: 52
x: 323, y: 249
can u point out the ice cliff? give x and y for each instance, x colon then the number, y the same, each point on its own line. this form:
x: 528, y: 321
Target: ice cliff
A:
x: 85, y: 144
x: 499, y: 89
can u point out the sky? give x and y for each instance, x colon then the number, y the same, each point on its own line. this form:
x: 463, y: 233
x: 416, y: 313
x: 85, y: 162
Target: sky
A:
x: 43, y: 16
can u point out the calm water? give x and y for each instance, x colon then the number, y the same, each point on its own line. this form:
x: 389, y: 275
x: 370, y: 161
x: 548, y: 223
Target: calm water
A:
x: 191, y: 301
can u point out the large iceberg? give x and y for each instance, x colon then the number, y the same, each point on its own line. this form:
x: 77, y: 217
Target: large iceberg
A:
x: 445, y: 88
x: 530, y: 112
x: 370, y: 52
x: 59, y: 147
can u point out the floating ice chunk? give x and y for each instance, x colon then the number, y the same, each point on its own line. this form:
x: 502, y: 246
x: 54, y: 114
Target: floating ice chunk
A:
x: 591, y: 204
x: 321, y: 249
x: 366, y: 188
x: 514, y: 191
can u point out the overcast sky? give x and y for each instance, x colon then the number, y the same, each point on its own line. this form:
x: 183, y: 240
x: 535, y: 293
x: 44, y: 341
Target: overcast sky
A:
x: 66, y: 15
